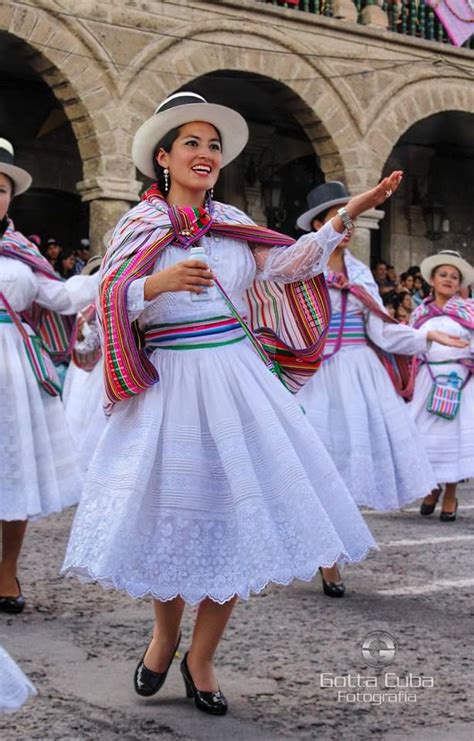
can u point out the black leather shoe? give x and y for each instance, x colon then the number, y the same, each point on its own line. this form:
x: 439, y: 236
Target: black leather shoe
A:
x: 449, y: 516
x: 13, y: 605
x: 428, y: 509
x: 213, y: 703
x: 146, y: 682
x: 332, y: 588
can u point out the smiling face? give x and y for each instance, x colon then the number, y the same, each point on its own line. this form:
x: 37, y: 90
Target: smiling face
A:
x: 446, y: 281
x: 6, y: 193
x: 194, y: 161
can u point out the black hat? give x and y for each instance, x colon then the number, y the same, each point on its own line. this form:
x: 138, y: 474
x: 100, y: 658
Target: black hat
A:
x: 320, y: 199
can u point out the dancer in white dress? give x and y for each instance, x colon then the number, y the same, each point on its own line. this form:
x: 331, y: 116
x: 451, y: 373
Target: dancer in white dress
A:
x: 15, y: 687
x: 84, y: 388
x: 351, y: 402
x: 447, y: 429
x: 38, y: 467
x: 211, y: 483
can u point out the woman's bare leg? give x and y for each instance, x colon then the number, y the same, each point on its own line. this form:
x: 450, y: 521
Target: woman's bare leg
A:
x: 331, y: 573
x: 13, y: 533
x: 209, y: 627
x: 165, y: 634
x: 449, y: 499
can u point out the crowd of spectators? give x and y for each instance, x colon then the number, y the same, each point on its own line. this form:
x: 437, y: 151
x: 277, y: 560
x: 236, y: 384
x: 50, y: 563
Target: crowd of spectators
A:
x: 66, y: 261
x: 400, y: 294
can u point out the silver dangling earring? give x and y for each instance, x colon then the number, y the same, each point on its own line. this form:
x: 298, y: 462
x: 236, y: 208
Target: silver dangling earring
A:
x: 211, y: 193
x: 166, y: 176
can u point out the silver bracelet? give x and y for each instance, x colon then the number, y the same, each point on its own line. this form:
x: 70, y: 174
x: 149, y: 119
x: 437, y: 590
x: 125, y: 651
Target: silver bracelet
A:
x: 345, y: 218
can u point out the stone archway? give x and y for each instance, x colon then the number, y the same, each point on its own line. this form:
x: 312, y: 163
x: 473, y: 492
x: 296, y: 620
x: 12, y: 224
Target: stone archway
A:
x: 83, y: 79
x: 437, y: 154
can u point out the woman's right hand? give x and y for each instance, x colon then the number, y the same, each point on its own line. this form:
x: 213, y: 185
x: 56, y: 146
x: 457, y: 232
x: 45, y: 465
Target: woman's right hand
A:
x: 188, y: 275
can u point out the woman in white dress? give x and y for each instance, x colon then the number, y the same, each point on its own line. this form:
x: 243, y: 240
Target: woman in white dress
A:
x: 84, y: 388
x: 210, y: 483
x: 38, y: 466
x: 446, y: 428
x: 15, y: 687
x: 351, y: 402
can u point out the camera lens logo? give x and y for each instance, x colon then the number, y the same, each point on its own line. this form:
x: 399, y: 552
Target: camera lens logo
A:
x: 379, y: 649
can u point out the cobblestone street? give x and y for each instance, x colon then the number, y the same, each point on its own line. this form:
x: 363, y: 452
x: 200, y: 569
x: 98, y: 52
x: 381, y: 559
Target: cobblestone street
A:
x: 80, y: 646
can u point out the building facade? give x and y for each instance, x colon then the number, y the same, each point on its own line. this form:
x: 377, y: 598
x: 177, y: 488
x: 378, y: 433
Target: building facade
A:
x: 331, y: 90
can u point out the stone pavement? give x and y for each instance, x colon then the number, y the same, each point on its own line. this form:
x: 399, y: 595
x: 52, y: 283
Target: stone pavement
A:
x: 283, y: 653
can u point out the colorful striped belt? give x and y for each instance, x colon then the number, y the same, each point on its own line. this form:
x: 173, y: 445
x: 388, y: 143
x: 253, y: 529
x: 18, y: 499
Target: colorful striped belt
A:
x: 215, y: 331
x: 353, y: 332
x: 5, y: 317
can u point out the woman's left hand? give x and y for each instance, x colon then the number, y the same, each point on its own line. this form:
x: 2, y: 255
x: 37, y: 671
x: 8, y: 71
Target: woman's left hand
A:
x: 442, y: 338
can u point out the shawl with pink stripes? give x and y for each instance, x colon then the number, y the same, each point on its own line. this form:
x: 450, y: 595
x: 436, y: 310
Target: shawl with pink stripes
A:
x: 397, y: 366
x: 461, y: 310
x: 290, y: 320
x: 55, y: 330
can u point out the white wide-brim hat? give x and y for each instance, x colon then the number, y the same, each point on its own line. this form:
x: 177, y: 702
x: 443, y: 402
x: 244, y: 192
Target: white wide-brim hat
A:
x: 182, y: 108
x: 21, y: 178
x: 448, y: 257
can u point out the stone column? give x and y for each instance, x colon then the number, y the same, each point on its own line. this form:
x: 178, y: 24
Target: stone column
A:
x: 109, y: 199
x: 360, y: 244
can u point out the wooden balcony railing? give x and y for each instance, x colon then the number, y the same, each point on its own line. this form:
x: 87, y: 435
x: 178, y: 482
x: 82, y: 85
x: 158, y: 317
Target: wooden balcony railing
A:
x: 408, y: 17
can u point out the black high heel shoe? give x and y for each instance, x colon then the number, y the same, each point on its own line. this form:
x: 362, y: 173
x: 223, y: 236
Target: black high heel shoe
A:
x: 449, y: 516
x: 428, y: 509
x: 213, y: 703
x: 332, y: 588
x: 13, y: 605
x: 146, y: 682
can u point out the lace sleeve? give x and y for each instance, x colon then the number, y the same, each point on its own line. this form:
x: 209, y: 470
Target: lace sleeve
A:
x: 91, y: 341
x: 305, y: 258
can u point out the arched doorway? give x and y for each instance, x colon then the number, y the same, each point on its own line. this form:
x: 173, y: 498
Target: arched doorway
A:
x: 433, y: 209
x: 279, y: 166
x: 34, y: 121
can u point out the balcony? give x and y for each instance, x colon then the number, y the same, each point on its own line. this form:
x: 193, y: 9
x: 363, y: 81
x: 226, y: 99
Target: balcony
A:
x: 408, y: 17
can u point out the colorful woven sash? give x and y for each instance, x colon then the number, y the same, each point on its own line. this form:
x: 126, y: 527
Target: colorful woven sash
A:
x: 56, y: 331
x: 290, y: 321
x: 397, y: 366
x: 461, y: 310
x: 353, y: 332
x: 5, y: 318
x: 195, y: 335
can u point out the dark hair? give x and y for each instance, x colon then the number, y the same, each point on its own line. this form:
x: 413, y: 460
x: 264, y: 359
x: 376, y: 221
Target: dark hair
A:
x: 413, y: 270
x: 166, y: 143
x: 406, y: 275
x: 12, y: 184
x: 389, y: 298
x: 380, y: 262
x: 433, y: 272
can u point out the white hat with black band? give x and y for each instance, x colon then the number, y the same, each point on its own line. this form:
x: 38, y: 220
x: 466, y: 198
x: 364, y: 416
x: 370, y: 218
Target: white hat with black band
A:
x: 448, y: 257
x: 183, y: 108
x: 21, y: 178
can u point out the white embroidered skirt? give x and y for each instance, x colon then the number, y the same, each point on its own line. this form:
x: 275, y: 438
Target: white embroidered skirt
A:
x: 15, y: 688
x: 367, y: 430
x: 39, y: 473
x: 83, y: 404
x: 211, y: 483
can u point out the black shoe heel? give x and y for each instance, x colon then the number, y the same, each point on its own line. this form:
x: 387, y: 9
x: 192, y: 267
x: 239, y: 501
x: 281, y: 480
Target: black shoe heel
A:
x: 146, y: 682
x: 428, y: 509
x: 332, y: 588
x: 449, y: 516
x: 213, y: 703
x: 13, y: 605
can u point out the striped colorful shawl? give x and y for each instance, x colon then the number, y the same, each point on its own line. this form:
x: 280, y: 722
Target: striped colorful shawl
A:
x: 397, y: 366
x: 461, y: 310
x: 55, y: 330
x: 291, y: 321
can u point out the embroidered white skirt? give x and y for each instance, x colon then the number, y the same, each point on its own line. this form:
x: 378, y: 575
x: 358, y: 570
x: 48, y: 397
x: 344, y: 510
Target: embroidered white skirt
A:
x: 15, y: 688
x: 212, y: 483
x: 83, y: 403
x: 367, y: 430
x: 38, y: 463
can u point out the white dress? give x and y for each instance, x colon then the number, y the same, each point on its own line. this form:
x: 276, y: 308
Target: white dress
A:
x: 212, y: 482
x: 84, y: 402
x: 39, y: 473
x: 449, y: 443
x: 358, y: 415
x: 15, y: 688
